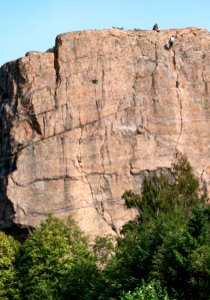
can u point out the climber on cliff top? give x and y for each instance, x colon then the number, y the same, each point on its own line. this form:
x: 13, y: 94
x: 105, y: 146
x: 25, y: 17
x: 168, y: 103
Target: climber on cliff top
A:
x: 155, y: 27
x: 171, y: 41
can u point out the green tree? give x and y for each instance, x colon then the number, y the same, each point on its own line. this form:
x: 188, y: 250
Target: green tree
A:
x: 55, y: 262
x: 103, y: 250
x: 51, y: 50
x: 8, y: 280
x: 182, y: 262
x: 149, y: 291
x: 168, y: 241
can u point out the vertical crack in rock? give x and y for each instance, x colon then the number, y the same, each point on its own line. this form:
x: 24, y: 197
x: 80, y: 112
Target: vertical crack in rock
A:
x: 17, y: 183
x: 205, y: 85
x: 44, y: 125
x: 57, y: 70
x: 100, y: 62
x: 180, y: 101
x: 9, y: 93
x: 32, y: 119
x: 203, y: 182
x: 153, y: 72
x: 102, y: 86
x: 84, y: 174
x: 101, y: 211
x: 97, y: 101
x: 94, y: 199
x: 29, y: 114
x: 65, y: 178
x: 134, y: 89
x: 98, y: 205
x: 105, y: 151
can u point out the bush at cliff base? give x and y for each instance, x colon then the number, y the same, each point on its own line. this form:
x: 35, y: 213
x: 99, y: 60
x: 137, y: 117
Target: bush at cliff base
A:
x: 150, y: 291
x: 55, y: 262
x: 164, y: 253
x: 8, y: 277
x: 168, y: 242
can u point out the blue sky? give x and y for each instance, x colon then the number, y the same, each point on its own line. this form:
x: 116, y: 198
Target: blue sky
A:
x: 34, y: 24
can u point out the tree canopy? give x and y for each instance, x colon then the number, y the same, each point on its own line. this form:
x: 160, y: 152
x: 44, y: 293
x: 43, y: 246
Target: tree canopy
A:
x: 169, y: 241
x: 164, y: 253
x: 9, y: 288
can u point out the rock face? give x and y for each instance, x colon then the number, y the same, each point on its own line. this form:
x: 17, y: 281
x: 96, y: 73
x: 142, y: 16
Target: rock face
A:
x: 81, y: 126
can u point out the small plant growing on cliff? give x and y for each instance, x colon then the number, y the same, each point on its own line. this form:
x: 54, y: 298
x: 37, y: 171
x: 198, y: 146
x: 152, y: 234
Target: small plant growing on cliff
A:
x: 94, y: 81
x: 120, y: 28
x: 51, y: 50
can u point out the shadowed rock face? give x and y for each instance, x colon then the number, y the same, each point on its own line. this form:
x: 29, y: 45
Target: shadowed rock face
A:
x: 80, y: 127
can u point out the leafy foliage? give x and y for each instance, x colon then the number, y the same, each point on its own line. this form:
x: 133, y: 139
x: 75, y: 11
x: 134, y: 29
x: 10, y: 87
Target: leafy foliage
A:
x: 120, y: 28
x: 94, y: 81
x: 103, y: 249
x: 150, y: 291
x: 51, y: 50
x: 164, y: 253
x: 8, y: 281
x: 55, y: 262
x: 166, y: 193
x: 168, y: 242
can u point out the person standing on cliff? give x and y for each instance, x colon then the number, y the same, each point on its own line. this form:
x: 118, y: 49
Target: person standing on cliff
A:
x: 171, y: 41
x: 155, y: 27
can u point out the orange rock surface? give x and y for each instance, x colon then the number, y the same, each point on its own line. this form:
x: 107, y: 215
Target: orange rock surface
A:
x: 80, y: 127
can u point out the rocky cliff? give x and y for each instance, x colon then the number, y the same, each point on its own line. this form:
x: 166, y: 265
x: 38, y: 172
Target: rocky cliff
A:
x: 80, y: 126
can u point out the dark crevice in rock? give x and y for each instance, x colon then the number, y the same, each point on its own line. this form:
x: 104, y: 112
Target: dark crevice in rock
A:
x: 7, y: 211
x: 57, y: 70
x: 153, y: 72
x: 10, y: 90
x: 179, y: 99
x: 98, y: 205
x: 159, y: 171
x: 82, y: 126
x: 47, y: 179
x: 18, y: 232
x: 102, y: 85
x: 205, y: 85
x: 203, y: 183
x: 65, y: 177
x: 134, y: 89
x: 33, y: 121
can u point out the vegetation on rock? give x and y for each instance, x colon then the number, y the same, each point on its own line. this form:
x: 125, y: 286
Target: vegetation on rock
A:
x: 9, y: 288
x: 164, y: 253
x: 51, y: 50
x: 55, y: 262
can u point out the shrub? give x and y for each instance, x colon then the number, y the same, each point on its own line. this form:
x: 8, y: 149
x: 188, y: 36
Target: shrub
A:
x: 9, y: 248
x: 55, y: 262
x: 51, y: 50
